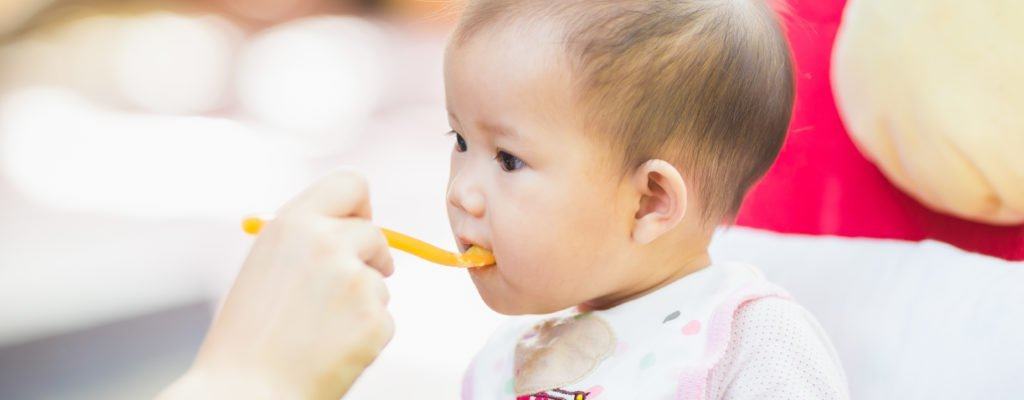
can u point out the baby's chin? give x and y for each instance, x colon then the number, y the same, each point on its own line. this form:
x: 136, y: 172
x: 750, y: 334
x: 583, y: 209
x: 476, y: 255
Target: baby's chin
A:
x: 501, y: 298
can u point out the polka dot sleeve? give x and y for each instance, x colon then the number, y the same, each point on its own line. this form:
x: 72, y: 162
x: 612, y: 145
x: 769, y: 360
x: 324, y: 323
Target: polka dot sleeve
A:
x: 777, y: 351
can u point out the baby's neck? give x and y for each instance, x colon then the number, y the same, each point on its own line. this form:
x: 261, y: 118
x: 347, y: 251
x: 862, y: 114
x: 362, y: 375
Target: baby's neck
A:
x: 681, y: 265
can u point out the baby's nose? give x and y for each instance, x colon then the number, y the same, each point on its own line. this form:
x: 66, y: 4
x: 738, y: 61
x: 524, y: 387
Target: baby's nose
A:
x: 466, y: 197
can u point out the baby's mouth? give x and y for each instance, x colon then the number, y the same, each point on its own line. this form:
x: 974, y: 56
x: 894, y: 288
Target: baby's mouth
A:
x: 466, y: 244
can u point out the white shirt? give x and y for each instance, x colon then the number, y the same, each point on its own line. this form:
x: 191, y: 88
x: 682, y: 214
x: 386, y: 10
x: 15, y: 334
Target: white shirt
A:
x: 721, y: 333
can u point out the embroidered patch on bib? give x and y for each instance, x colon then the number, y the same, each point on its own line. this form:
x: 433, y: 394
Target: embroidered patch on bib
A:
x: 560, y: 352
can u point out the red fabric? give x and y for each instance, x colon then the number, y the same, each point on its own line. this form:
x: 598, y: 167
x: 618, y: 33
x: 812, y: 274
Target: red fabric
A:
x: 821, y: 184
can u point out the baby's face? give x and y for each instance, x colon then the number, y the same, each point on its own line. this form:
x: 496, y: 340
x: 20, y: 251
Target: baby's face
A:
x: 527, y: 183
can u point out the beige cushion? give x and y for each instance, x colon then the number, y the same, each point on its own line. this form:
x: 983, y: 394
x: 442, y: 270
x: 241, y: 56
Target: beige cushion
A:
x: 933, y: 92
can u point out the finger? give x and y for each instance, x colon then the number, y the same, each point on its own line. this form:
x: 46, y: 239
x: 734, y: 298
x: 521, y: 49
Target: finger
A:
x: 376, y: 332
x: 368, y: 242
x: 374, y: 285
x: 356, y: 285
x: 386, y: 326
x: 340, y: 194
x: 379, y: 321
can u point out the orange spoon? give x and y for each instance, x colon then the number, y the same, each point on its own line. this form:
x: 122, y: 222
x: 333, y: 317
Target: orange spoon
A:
x: 472, y: 258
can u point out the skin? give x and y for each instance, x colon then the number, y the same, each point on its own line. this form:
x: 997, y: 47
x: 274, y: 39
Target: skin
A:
x: 308, y: 311
x: 567, y: 228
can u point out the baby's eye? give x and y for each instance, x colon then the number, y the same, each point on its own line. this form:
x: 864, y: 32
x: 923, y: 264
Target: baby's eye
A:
x: 509, y: 163
x: 460, y: 143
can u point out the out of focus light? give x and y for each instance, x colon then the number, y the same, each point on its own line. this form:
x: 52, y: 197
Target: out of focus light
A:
x: 68, y: 153
x: 15, y: 13
x: 270, y: 10
x: 320, y: 77
x: 77, y: 54
x: 176, y: 64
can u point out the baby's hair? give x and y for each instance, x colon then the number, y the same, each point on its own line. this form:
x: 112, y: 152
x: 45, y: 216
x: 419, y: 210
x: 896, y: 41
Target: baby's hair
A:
x: 705, y: 84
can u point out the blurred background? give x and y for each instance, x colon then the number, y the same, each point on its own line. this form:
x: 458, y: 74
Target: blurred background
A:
x: 134, y: 136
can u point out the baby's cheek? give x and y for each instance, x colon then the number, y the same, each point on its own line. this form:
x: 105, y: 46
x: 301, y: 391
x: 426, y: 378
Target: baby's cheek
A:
x: 552, y: 281
x: 535, y: 248
x: 532, y: 272
x: 523, y: 266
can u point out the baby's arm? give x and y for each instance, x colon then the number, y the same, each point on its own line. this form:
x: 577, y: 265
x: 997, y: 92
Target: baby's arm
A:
x: 777, y: 351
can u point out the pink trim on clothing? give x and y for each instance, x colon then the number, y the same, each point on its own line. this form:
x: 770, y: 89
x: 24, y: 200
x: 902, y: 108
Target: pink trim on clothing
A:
x: 693, y: 383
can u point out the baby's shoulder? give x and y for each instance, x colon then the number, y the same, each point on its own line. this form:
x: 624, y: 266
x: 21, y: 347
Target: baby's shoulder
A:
x: 773, y: 311
x: 774, y: 317
x: 779, y: 322
x: 776, y: 342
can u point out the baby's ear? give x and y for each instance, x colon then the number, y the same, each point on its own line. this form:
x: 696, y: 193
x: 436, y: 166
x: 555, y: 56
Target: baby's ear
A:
x: 662, y: 200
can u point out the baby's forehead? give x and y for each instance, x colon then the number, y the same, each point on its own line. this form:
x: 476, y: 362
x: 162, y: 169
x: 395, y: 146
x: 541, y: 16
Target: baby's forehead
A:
x: 522, y: 61
x: 523, y: 41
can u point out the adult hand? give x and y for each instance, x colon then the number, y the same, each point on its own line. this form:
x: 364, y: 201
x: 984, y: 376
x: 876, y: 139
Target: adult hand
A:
x: 307, y: 312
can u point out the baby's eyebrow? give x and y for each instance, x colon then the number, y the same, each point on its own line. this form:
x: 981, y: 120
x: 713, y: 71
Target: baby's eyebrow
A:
x: 452, y: 116
x: 499, y: 130
x: 492, y: 128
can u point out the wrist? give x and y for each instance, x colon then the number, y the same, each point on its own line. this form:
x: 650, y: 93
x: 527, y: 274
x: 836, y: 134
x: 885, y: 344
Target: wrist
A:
x: 206, y: 383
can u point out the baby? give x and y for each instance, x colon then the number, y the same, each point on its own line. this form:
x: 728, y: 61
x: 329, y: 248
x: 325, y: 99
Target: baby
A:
x: 598, y: 143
